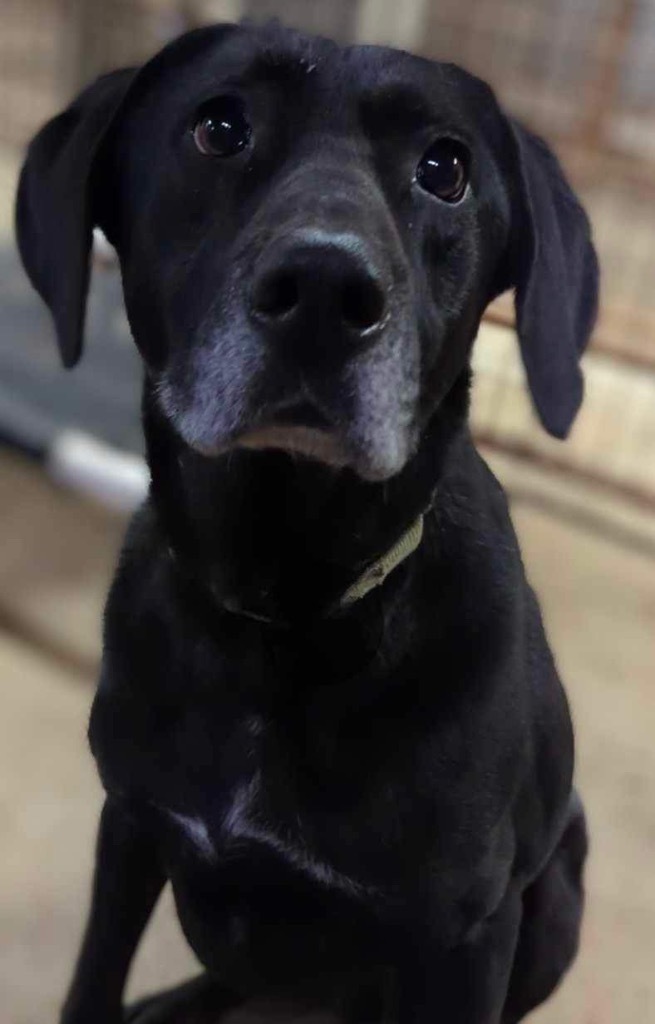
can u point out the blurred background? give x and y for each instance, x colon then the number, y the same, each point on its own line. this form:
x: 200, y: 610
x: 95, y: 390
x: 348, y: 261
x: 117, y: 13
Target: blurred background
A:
x: 582, y: 73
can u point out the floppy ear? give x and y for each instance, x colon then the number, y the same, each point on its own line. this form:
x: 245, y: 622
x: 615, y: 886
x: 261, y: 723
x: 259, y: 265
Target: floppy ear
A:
x: 55, y: 208
x: 555, y: 272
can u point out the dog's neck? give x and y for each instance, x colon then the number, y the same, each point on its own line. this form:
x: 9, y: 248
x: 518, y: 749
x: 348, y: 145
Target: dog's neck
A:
x: 283, y: 537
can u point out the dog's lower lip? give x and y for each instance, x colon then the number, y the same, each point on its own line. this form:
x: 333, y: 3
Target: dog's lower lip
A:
x: 315, y: 443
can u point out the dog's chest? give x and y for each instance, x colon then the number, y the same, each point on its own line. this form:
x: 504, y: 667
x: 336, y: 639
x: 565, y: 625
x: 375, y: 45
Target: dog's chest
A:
x: 255, y: 886
x: 273, y: 797
x: 264, y: 833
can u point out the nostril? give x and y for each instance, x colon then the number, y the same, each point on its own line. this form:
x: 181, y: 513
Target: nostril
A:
x: 362, y: 304
x: 277, y: 295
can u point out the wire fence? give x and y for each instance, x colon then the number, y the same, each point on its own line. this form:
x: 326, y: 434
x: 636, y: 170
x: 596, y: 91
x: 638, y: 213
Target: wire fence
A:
x: 581, y: 72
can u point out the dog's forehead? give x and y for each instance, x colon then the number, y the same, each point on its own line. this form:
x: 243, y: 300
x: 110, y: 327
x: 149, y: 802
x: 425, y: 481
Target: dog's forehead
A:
x: 243, y: 54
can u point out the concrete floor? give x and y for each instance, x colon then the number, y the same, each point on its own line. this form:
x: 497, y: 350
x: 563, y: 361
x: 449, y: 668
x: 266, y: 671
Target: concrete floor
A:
x: 55, y: 559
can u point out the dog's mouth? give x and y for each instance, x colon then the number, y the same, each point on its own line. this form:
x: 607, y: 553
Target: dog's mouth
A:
x: 362, y: 418
x: 301, y: 429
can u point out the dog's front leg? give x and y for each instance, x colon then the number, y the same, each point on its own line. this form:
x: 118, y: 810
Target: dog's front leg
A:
x: 468, y: 984
x: 128, y: 880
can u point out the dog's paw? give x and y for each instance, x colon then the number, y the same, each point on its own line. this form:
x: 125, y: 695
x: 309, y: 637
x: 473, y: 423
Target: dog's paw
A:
x: 156, y: 1009
x: 90, y: 1012
x: 137, y: 1012
x: 202, y: 1000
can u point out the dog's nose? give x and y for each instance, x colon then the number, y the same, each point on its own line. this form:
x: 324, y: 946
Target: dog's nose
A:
x: 318, y: 282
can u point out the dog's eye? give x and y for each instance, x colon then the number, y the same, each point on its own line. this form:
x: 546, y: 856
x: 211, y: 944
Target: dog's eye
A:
x: 222, y: 128
x: 444, y: 170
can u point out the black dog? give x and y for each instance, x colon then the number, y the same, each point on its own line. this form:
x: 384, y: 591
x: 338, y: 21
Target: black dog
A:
x: 327, y: 712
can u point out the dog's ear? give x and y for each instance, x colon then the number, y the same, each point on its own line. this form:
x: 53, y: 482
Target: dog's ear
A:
x: 55, y: 207
x: 554, y: 269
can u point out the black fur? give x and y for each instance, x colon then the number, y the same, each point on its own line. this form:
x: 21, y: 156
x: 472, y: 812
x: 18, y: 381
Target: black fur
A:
x: 366, y: 808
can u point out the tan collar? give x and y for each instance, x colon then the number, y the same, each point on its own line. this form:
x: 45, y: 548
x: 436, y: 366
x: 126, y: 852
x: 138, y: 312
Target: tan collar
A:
x: 372, y: 577
x: 377, y: 573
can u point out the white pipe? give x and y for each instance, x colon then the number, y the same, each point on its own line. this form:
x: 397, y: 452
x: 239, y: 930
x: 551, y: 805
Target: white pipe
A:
x: 117, y: 479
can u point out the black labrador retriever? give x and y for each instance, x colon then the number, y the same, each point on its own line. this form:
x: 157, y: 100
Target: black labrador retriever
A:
x: 327, y: 713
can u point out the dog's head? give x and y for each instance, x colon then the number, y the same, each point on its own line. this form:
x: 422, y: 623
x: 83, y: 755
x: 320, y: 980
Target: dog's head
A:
x: 309, y: 235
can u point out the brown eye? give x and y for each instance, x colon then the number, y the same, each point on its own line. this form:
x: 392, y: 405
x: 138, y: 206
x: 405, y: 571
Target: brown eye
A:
x: 222, y: 128
x: 444, y: 170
